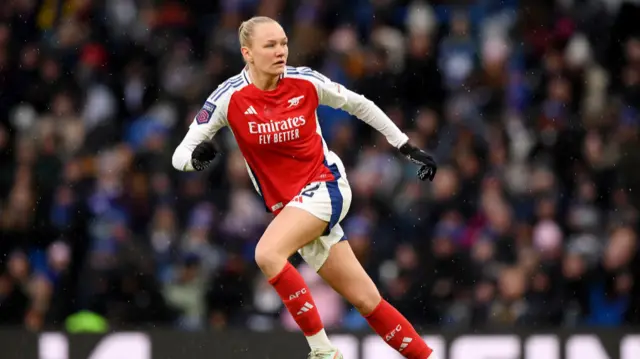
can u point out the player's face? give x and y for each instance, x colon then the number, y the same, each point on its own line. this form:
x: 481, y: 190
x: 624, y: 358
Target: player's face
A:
x: 269, y: 48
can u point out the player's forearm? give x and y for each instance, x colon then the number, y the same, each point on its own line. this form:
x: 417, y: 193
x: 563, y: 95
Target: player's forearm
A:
x: 181, y: 159
x: 367, y: 111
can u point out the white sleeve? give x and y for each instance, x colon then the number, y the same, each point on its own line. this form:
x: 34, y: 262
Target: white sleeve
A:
x: 337, y: 96
x: 366, y: 110
x: 209, y: 120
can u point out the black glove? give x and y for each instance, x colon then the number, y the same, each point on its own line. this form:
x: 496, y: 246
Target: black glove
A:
x: 428, y: 166
x: 202, y: 155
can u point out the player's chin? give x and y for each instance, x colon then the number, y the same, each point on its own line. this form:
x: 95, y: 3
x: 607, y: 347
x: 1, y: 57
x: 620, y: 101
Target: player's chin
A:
x: 279, y: 67
x: 276, y: 71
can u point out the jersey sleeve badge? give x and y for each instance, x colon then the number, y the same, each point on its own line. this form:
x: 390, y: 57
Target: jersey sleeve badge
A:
x: 205, y: 114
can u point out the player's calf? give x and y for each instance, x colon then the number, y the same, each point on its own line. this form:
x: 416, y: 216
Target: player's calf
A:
x: 345, y: 274
x: 296, y: 296
x: 397, y: 332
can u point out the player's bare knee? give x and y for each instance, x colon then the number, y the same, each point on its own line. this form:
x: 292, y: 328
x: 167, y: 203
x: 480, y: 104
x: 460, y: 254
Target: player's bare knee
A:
x: 269, y: 260
x: 263, y: 257
x: 365, y: 302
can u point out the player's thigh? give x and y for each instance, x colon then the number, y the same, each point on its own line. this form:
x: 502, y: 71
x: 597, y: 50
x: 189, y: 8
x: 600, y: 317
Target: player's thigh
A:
x: 330, y: 202
x: 290, y: 230
x: 308, y: 216
x: 344, y: 273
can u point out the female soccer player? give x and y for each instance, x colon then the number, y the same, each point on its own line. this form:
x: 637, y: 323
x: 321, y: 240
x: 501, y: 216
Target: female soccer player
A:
x: 271, y: 110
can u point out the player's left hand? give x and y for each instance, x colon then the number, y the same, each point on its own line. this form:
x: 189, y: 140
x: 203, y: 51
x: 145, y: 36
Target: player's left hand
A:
x: 428, y: 166
x: 202, y: 155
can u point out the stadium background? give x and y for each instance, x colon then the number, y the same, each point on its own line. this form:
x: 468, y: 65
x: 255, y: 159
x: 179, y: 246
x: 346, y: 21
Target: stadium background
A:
x: 531, y: 106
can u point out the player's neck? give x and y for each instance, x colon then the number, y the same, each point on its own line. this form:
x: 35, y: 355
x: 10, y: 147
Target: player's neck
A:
x: 262, y: 81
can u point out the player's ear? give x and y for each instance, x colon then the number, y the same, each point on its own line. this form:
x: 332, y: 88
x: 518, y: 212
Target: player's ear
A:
x: 246, y: 54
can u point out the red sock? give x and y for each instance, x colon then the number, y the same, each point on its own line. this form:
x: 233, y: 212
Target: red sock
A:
x: 396, y: 330
x: 297, y: 298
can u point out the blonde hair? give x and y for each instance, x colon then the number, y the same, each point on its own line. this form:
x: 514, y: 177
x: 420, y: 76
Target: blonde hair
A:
x: 245, y: 32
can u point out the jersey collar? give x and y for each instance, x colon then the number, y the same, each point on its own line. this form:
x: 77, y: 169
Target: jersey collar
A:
x: 245, y: 74
x: 247, y: 77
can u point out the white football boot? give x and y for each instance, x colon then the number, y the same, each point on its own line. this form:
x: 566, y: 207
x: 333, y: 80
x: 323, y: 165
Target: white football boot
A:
x: 325, y: 354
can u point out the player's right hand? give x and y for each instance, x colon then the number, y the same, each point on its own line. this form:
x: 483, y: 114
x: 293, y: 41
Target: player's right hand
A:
x: 428, y: 165
x: 202, y: 155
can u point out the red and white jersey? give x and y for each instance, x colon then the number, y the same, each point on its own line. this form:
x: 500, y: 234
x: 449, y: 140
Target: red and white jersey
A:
x: 278, y: 131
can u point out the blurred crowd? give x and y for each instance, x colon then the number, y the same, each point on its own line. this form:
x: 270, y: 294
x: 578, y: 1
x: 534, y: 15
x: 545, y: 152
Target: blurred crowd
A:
x: 531, y: 107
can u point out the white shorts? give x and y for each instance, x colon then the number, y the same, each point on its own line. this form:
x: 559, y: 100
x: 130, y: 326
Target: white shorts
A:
x: 329, y: 201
